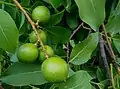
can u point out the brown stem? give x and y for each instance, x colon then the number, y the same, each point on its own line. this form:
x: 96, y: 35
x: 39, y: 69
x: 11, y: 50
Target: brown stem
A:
x: 74, y: 32
x: 32, y: 24
x: 1, y: 87
x: 111, y: 50
x: 86, y: 27
x: 104, y: 58
x: 90, y: 30
x: 68, y: 51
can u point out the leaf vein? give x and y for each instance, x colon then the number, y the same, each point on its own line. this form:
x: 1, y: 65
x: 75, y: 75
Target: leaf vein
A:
x: 5, y: 36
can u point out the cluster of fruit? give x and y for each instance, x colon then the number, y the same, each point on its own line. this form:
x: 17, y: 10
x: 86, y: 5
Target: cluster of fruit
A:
x: 54, y: 68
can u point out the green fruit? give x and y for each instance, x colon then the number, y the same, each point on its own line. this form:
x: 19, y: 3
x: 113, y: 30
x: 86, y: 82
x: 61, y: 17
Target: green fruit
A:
x: 27, y: 53
x: 49, y: 52
x: 33, y: 38
x: 55, y: 69
x: 41, y: 14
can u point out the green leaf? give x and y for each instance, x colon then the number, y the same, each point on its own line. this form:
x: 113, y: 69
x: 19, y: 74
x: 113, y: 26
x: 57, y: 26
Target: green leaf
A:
x: 92, y: 12
x: 80, y: 80
x: 25, y: 2
x: 69, y: 2
x: 1, y: 59
x: 58, y: 34
x: 114, y: 20
x: 12, y: 11
x: 8, y: 32
x: 54, y: 3
x: 81, y: 53
x: 22, y: 20
x: 71, y: 72
x: 102, y: 84
x: 16, y: 68
x: 116, y: 41
x: 20, y: 74
x: 100, y: 74
x: 72, y: 21
x: 113, y: 25
x: 56, y: 18
x: 116, y: 12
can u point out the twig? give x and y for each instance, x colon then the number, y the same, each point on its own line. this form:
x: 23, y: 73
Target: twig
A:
x: 74, y: 32
x: 32, y: 24
x: 103, y: 57
x: 111, y: 50
x: 68, y: 51
x: 113, y: 84
x: 87, y: 28
x: 106, y: 46
x: 1, y: 87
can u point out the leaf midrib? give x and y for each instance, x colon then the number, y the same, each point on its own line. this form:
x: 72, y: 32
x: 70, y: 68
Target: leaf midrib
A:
x: 53, y: 33
x: 81, y: 51
x: 5, y: 36
x: 24, y: 73
x: 93, y: 5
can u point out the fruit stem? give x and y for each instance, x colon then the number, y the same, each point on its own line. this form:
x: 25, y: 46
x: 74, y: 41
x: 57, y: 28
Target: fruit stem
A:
x: 32, y: 24
x: 111, y: 50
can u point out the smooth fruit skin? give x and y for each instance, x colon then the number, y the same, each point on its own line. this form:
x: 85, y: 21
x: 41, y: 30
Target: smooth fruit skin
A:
x: 27, y: 53
x: 41, y: 14
x: 55, y: 69
x: 33, y: 38
x: 49, y: 52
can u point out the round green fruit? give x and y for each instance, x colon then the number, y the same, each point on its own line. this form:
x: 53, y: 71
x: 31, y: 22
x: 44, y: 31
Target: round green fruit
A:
x: 41, y: 14
x: 55, y: 69
x: 49, y: 52
x: 33, y: 38
x: 27, y: 53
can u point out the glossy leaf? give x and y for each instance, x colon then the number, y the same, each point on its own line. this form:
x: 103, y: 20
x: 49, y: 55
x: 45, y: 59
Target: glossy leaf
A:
x: 92, y: 12
x: 1, y: 59
x: 71, y: 72
x: 55, y: 3
x: 68, y: 2
x: 72, y: 21
x: 8, y: 32
x: 100, y: 74
x: 20, y: 74
x: 58, y: 34
x: 116, y: 11
x: 116, y: 41
x: 56, y: 18
x: 22, y: 20
x: 25, y: 2
x: 114, y: 20
x: 80, y: 80
x: 12, y: 11
x: 81, y: 53
x: 113, y: 25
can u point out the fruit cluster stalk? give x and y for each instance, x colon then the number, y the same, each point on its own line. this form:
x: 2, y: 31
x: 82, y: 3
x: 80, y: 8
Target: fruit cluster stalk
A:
x: 32, y: 24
